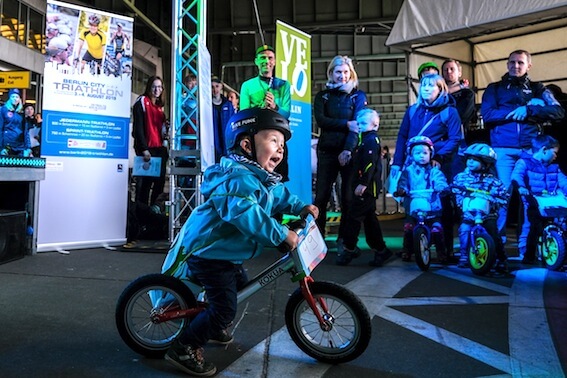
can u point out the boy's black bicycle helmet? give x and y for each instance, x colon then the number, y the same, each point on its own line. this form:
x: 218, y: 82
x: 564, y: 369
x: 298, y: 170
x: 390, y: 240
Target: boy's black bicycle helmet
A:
x: 250, y: 121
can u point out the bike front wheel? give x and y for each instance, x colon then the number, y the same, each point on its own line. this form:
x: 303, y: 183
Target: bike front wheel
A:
x: 422, y: 248
x: 140, y: 301
x: 346, y: 330
x: 482, y: 254
x: 553, y: 250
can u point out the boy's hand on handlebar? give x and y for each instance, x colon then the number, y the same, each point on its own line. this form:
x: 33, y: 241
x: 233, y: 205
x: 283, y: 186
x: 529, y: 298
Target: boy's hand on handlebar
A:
x: 291, y: 240
x: 400, y: 193
x: 309, y: 209
x: 523, y: 191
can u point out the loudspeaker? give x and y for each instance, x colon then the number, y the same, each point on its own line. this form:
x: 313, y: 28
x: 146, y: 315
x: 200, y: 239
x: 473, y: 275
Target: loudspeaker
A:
x: 12, y: 235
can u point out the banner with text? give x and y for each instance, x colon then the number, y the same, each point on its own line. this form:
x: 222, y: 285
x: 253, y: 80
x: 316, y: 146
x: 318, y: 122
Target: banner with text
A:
x: 86, y: 121
x: 293, y: 63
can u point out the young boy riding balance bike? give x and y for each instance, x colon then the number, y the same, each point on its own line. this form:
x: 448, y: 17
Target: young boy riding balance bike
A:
x: 242, y: 195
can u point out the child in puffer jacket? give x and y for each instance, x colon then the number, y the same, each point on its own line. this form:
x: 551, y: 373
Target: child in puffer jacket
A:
x: 478, y: 183
x: 421, y: 182
x: 537, y: 175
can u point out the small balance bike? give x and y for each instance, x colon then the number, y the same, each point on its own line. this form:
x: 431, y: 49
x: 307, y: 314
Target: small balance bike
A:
x: 553, y: 208
x: 423, y: 236
x: 481, y: 246
x: 325, y: 320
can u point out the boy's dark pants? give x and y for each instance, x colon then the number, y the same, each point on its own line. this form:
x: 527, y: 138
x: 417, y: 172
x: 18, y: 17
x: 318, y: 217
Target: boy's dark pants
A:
x: 363, y: 211
x: 536, y: 229
x: 221, y: 280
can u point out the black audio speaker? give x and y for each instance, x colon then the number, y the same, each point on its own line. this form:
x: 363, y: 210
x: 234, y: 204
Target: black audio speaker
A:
x: 12, y: 235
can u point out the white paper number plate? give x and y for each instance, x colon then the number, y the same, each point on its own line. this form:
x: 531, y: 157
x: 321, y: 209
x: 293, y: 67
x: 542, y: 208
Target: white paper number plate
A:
x: 312, y: 248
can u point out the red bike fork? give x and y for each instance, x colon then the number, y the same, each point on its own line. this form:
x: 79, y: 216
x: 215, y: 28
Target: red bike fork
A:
x: 304, y: 284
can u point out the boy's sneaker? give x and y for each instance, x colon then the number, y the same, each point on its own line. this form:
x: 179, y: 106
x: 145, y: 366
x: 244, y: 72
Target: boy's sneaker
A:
x: 223, y: 338
x: 380, y: 257
x: 502, y: 267
x: 190, y: 360
x: 463, y: 263
x: 344, y: 255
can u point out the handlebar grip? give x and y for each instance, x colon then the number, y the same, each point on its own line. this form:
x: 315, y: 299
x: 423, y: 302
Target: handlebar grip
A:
x: 296, y: 225
x: 283, y: 248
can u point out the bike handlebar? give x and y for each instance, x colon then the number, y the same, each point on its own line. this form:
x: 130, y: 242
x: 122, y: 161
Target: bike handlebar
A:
x: 472, y: 190
x: 296, y: 225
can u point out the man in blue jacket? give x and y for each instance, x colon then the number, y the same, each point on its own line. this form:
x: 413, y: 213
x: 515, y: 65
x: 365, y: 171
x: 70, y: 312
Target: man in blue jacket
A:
x: 513, y: 109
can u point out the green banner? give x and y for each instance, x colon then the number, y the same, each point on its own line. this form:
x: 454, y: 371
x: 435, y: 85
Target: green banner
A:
x: 293, y: 63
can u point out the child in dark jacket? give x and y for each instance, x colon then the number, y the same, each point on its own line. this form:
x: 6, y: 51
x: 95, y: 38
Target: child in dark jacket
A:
x: 364, y: 148
x: 478, y: 184
x: 537, y: 175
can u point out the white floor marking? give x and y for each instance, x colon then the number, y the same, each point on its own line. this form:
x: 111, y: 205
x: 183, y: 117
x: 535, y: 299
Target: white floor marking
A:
x: 527, y: 326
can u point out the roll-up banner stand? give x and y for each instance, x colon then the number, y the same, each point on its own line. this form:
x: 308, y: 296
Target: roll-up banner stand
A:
x: 86, y: 121
x: 293, y: 63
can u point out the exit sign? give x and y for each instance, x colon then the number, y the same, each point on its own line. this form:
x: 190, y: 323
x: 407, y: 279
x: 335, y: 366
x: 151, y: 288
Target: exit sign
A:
x: 14, y: 79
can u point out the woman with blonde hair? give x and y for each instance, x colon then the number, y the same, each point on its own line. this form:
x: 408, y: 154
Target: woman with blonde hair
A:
x: 335, y: 111
x: 435, y: 116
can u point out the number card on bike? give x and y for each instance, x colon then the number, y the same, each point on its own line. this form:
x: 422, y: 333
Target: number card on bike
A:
x: 311, y: 249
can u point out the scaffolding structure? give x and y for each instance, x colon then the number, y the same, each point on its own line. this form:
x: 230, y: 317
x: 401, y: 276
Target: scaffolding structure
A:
x: 189, y: 25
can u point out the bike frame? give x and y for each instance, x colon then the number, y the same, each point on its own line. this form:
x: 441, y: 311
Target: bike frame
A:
x: 287, y: 263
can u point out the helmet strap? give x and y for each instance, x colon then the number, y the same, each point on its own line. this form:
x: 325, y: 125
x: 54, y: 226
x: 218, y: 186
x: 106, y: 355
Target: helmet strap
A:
x: 248, y: 145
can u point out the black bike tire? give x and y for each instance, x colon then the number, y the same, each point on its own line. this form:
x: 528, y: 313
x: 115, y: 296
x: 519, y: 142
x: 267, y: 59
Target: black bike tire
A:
x: 487, y: 259
x: 556, y: 261
x: 420, y: 238
x: 336, y: 297
x: 125, y: 319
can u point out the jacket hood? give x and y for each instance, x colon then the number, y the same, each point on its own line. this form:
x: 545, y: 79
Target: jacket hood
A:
x: 218, y: 174
x: 443, y: 100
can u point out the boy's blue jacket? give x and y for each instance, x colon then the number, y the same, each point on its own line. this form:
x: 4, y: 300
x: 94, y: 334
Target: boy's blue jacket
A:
x: 235, y: 222
x: 537, y: 177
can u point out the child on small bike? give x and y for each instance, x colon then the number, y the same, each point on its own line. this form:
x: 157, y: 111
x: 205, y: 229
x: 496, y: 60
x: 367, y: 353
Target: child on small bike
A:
x: 364, y: 149
x: 537, y: 175
x: 420, y: 176
x: 242, y: 195
x: 479, y: 180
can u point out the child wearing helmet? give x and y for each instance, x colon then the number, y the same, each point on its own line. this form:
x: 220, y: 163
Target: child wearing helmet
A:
x: 420, y: 174
x: 242, y: 195
x: 364, y: 148
x: 536, y: 174
x: 479, y: 180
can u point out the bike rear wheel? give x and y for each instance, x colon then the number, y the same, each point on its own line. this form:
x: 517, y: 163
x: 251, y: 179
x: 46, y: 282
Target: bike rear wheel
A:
x: 482, y: 253
x: 553, y: 250
x: 142, y: 298
x: 347, y: 329
x: 422, y: 248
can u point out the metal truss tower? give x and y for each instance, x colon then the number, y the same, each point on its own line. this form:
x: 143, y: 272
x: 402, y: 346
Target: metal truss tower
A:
x: 189, y: 25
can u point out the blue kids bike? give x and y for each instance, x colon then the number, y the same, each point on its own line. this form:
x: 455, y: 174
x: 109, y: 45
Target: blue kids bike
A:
x: 480, y: 245
x: 426, y: 235
x: 551, y: 245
